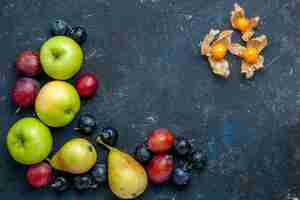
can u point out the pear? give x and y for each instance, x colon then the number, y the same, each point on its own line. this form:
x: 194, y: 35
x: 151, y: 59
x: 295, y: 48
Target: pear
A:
x: 77, y: 156
x: 127, y: 178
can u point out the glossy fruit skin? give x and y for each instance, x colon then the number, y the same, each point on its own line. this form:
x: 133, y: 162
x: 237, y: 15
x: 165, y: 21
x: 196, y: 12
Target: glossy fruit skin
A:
x: 60, y: 184
x: 25, y: 92
x: 182, y: 147
x: 99, y: 173
x: 243, y: 24
x: 109, y: 135
x: 94, y: 185
x: 182, y: 163
x: 250, y: 55
x: 57, y: 103
x: 60, y: 27
x: 86, y: 124
x: 160, y: 140
x: 160, y: 168
x: 61, y: 57
x: 28, y: 64
x: 77, y: 156
x: 82, y: 182
x: 127, y: 178
x: 86, y: 85
x: 39, y: 175
x: 181, y: 177
x: 197, y: 160
x: 218, y: 51
x: 143, y: 154
x: 29, y: 141
x: 78, y: 34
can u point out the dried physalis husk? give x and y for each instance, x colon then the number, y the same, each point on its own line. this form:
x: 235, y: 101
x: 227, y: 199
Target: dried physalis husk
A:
x: 252, y: 60
x: 240, y: 22
x: 215, y: 46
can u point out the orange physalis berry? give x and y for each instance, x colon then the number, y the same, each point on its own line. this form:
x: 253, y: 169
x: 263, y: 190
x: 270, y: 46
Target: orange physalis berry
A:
x: 215, y: 46
x: 250, y: 55
x: 218, y: 51
x: 243, y: 24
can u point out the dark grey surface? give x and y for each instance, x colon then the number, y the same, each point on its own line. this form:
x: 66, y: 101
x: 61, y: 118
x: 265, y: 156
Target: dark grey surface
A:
x: 145, y: 52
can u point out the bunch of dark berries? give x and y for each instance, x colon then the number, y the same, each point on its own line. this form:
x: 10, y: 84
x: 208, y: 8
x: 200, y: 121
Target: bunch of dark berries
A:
x: 168, y: 157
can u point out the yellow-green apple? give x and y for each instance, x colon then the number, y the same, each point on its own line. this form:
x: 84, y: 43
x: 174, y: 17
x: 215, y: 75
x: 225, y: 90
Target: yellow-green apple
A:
x: 61, y: 57
x: 29, y: 141
x: 57, y: 103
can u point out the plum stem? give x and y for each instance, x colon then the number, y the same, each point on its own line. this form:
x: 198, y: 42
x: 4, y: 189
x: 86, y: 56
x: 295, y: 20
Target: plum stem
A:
x: 18, y: 110
x: 99, y: 140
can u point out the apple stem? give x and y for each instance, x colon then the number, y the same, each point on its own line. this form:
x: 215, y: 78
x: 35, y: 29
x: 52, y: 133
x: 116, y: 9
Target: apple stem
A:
x: 18, y: 110
x: 98, y: 140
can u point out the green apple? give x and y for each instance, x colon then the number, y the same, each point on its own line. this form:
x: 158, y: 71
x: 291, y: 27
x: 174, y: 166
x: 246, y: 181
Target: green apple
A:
x: 61, y: 57
x: 29, y: 141
x: 57, y: 103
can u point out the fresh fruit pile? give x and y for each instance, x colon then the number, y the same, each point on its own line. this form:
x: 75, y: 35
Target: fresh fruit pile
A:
x: 216, y: 44
x: 127, y: 178
x: 167, y: 157
x: 56, y: 104
x: 96, y: 177
x: 29, y: 140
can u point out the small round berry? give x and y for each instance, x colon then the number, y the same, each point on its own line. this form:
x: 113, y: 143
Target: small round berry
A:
x: 82, y: 182
x: 181, y: 177
x: 99, y: 173
x: 86, y: 124
x: 28, y: 63
x: 86, y: 85
x: 182, y: 146
x: 250, y: 55
x: 60, y: 184
x: 242, y: 24
x: 94, y: 185
x: 160, y: 140
x: 60, y: 27
x: 109, y: 136
x: 78, y: 34
x: 160, y: 168
x: 218, y: 51
x: 39, y: 175
x: 143, y: 154
x: 198, y: 160
x: 25, y: 92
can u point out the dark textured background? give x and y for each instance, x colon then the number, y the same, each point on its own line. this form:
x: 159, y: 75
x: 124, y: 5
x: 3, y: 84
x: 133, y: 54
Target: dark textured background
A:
x: 145, y: 52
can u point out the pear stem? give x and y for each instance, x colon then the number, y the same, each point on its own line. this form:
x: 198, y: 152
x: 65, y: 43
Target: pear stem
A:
x: 98, y: 140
